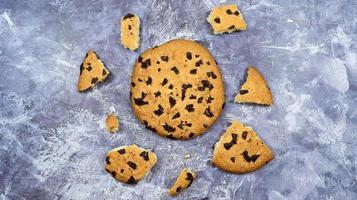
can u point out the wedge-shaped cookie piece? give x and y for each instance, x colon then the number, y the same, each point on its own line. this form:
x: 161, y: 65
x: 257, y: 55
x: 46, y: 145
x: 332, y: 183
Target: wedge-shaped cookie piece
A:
x: 129, y: 164
x: 92, y: 71
x: 183, y: 181
x: 240, y: 150
x: 130, y: 31
x: 112, y: 123
x: 255, y: 89
x: 226, y: 19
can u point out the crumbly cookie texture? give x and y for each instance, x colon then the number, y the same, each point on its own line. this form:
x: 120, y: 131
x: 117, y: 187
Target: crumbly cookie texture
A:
x: 240, y: 150
x: 255, y: 89
x: 129, y: 164
x: 130, y: 31
x: 92, y: 71
x: 226, y: 19
x: 183, y: 181
x: 112, y: 123
x: 177, y: 89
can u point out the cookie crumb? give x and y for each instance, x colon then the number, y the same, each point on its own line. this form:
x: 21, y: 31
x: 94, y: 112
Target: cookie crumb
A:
x: 183, y: 181
x: 187, y: 156
x: 130, y: 31
x: 112, y: 123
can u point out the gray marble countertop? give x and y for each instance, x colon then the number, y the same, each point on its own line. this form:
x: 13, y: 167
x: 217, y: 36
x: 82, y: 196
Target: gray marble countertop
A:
x: 52, y: 139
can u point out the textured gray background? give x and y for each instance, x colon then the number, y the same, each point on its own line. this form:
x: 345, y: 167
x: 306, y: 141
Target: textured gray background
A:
x: 52, y: 141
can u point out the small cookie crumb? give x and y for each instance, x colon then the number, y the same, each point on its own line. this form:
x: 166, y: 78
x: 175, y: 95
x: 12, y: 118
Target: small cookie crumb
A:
x: 130, y: 31
x: 187, y: 156
x: 183, y: 181
x: 112, y: 123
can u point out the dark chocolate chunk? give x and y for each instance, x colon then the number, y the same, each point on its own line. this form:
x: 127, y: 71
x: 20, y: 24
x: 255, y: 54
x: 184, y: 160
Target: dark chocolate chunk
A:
x: 149, y: 81
x: 165, y: 58
x: 231, y: 27
x: 148, y: 126
x: 191, y: 135
x: 140, y: 59
x: 210, y: 99
x: 140, y: 101
x: 194, y: 71
x: 205, y: 84
x: 189, y: 178
x: 168, y: 128
x: 190, y: 108
x: 146, y: 64
x: 211, y: 74
x: 205, y: 125
x: 170, y: 137
x: 189, y: 55
x: 127, y: 16
x: 89, y: 68
x: 178, y: 189
x: 164, y: 82
x: 229, y: 12
x: 129, y: 27
x: 198, y: 63
x: 140, y: 80
x: 157, y: 62
x: 224, y: 104
x: 197, y: 56
x: 228, y: 145
x: 81, y: 68
x: 248, y: 158
x: 208, y: 112
x: 159, y: 111
x: 174, y: 69
x: 159, y: 69
x: 104, y: 72
x: 177, y: 115
x: 131, y: 165
x: 171, y: 86
x: 236, y: 13
x: 199, y: 100
x: 121, y: 151
x: 122, y: 170
x: 233, y: 159
x: 208, y: 63
x: 94, y: 80
x: 107, y: 160
x: 172, y: 102
x: 145, y: 155
x: 113, y: 173
x: 158, y: 93
x: 243, y: 92
x: 184, y: 87
x: 244, y: 134
x: 193, y: 96
x: 107, y: 170
x: 182, y: 124
x: 217, y: 20
x: 131, y: 180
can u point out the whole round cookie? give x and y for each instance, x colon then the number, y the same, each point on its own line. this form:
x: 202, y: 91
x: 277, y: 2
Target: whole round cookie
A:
x: 177, y: 89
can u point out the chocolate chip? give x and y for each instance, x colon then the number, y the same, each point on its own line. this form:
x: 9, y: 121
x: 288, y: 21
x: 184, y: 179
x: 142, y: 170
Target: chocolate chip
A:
x: 94, y: 80
x: 159, y: 111
x: 189, y: 178
x: 191, y: 135
x: 140, y: 59
x: 198, y: 63
x: 149, y: 81
x: 182, y: 124
x: 165, y: 58
x: 208, y: 112
x: 231, y: 27
x: 233, y: 159
x: 244, y: 134
x: 199, y: 100
x: 217, y: 20
x: 164, y: 82
x: 81, y: 68
x: 190, y: 108
x: 104, y: 72
x: 121, y: 151
x: 148, y: 126
x: 157, y: 62
x: 177, y: 115
x: 193, y: 96
x: 158, y: 93
x: 170, y: 137
x: 189, y: 55
x: 122, y: 170
x: 172, y: 102
x: 107, y: 159
x: 211, y: 74
x: 228, y: 145
x: 236, y: 13
x: 168, y: 128
x: 89, y: 68
x: 194, y: 71
x: 229, y: 12
x: 146, y: 64
x: 140, y: 101
x: 243, y: 92
x: 208, y: 63
x: 127, y: 16
x: 129, y: 27
x: 131, y: 165
x: 131, y: 180
x: 184, y: 87
x: 223, y: 105
x: 140, y: 80
x: 113, y: 173
x: 205, y: 125
x: 197, y: 56
x: 159, y: 69
x: 205, y: 84
x: 174, y: 69
x: 210, y: 99
x: 178, y: 189
x: 248, y: 158
x: 171, y: 86
x: 145, y: 155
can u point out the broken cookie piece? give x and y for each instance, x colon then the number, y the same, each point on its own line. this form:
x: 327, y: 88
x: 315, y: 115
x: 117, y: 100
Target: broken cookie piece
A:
x: 226, y: 19
x: 183, y: 181
x: 129, y: 164
x: 130, y: 31
x: 112, y: 123
x: 240, y: 150
x: 255, y: 89
x: 92, y: 71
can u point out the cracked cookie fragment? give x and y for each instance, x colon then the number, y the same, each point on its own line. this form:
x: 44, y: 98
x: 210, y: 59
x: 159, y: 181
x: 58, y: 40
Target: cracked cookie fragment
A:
x: 129, y: 164
x: 240, y: 150
x: 130, y: 31
x: 255, y: 89
x: 112, y: 123
x: 183, y: 181
x: 92, y: 71
x: 226, y: 19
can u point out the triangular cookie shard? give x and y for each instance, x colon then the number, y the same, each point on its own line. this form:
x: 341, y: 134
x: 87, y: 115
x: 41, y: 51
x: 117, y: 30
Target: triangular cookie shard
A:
x: 240, y: 150
x: 255, y: 89
x: 92, y: 71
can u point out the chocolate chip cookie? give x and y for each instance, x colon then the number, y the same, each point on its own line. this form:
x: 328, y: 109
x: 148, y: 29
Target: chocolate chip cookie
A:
x: 130, y: 31
x: 183, y: 181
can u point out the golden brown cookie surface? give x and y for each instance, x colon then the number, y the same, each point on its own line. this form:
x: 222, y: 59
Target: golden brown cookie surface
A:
x: 177, y: 89
x: 112, y: 123
x: 183, y: 181
x: 255, y: 89
x: 92, y: 71
x: 129, y: 164
x: 130, y: 31
x: 240, y: 150
x: 226, y: 19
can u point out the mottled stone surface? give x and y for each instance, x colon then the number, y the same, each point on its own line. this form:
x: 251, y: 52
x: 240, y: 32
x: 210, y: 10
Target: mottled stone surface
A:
x: 53, y: 140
